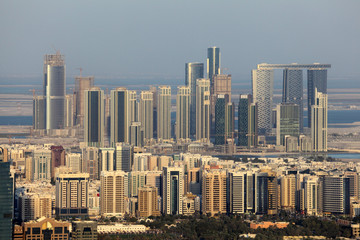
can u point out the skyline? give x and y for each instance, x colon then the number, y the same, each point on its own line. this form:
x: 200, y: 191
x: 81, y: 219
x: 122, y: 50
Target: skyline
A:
x: 146, y: 46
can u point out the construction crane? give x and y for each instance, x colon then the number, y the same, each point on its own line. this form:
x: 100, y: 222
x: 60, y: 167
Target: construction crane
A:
x: 80, y: 71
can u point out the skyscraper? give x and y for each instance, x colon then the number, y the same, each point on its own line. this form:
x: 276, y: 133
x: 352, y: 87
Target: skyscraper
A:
x: 262, y: 89
x: 319, y: 121
x: 146, y: 113
x: 193, y: 71
x: 220, y: 109
x: 81, y: 84
x: 6, y: 201
x: 243, y: 118
x: 221, y: 86
x: 336, y: 194
x: 287, y: 122
x: 173, y: 190
x: 213, y: 63
x: 229, y: 120
x: 237, y: 192
x: 123, y: 157
x: 311, y: 185
x: 119, y: 116
x: 164, y: 113
x: 148, y: 201
x: 69, y: 111
x: 94, y: 117
x: 107, y: 159
x: 293, y: 90
x: 316, y: 79
x: 183, y: 113
x: 136, y: 134
x: 203, y: 109
x: 39, y: 117
x: 133, y: 107
x: 54, y: 90
x: 112, y: 194
x: 214, y: 192
x: 42, y: 164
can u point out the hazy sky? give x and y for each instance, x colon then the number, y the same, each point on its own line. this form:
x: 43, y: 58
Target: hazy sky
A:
x: 154, y: 38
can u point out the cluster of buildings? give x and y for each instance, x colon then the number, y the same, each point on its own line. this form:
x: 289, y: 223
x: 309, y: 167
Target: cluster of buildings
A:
x: 205, y: 109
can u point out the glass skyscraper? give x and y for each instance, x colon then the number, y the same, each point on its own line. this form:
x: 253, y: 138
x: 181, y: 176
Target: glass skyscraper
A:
x: 119, y: 116
x: 213, y: 63
x: 6, y: 201
x: 316, y: 79
x: 94, y: 117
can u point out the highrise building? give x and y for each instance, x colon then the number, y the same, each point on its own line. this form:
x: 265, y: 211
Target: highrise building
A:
x: 119, y: 116
x: 112, y: 194
x: 293, y: 91
x: 137, y: 179
x: 34, y: 205
x: 6, y: 201
x: 164, y: 113
x: 72, y: 194
x: 214, y: 192
x: 183, y: 99
x: 213, y: 62
x: 221, y: 86
x: 146, y: 114
x: 203, y: 109
x: 39, y: 117
x: 336, y: 194
x: 107, y: 159
x: 287, y: 122
x: 74, y: 162
x: 69, y: 111
x: 253, y: 125
x: 123, y: 157
x: 90, y: 162
x: 237, y: 190
x: 154, y: 91
x: 288, y: 192
x: 312, y: 195
x: 57, y: 158
x: 220, y: 109
x: 133, y: 107
x: 54, y: 90
x: 147, y: 201
x: 193, y: 71
x: 266, y: 192
x: 229, y: 120
x: 94, y: 122
x: 41, y: 164
x: 136, y: 134
x: 316, y: 81
x: 81, y: 84
x: 243, y: 119
x: 173, y: 183
x: 262, y: 91
x: 319, y: 119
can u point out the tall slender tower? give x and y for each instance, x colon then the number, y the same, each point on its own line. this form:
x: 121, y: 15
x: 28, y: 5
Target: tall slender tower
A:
x: 39, y: 118
x: 94, y: 121
x: 220, y: 107
x: 262, y: 89
x: 133, y: 106
x: 203, y: 109
x: 193, y: 71
x: 81, y: 84
x: 7, y: 201
x: 173, y: 190
x: 164, y: 113
x: 54, y: 90
x: 214, y: 192
x: 183, y: 113
x: 243, y: 119
x: 119, y: 116
x: 316, y: 79
x: 146, y: 113
x: 319, y: 121
x: 112, y: 194
x: 213, y: 63
x: 287, y: 121
x: 293, y: 91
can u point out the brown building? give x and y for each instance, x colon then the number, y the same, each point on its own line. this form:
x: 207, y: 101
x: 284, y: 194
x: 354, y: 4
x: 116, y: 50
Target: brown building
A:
x: 57, y: 158
x: 214, y: 192
x: 44, y: 228
x: 147, y: 201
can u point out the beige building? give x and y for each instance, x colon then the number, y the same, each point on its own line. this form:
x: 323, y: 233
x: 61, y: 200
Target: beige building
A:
x: 147, y: 201
x: 164, y: 113
x: 46, y: 228
x: 203, y: 110
x: 183, y: 113
x: 112, y: 192
x: 214, y: 192
x: 189, y: 204
x: 288, y: 192
x: 146, y: 114
x: 34, y: 206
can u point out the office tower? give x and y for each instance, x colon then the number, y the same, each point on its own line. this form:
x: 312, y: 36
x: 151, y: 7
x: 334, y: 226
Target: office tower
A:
x: 39, y: 117
x: 311, y: 186
x: 94, y: 125
x: 287, y: 122
x: 137, y: 179
x: 54, y: 90
x: 214, y: 192
x: 133, y: 106
x: 251, y: 192
x: 147, y: 201
x: 203, y: 109
x: 229, y: 120
x: 107, y: 114
x: 136, y: 134
x: 112, y: 194
x: 183, y: 99
x: 354, y: 183
x: 123, y: 157
x: 288, y: 192
x: 336, y: 195
x: 193, y: 183
x: 262, y: 91
x: 146, y: 114
x: 316, y: 81
x: 81, y: 84
x: 220, y: 108
x: 173, y: 183
x: 42, y: 164
x: 293, y: 91
x: 221, y: 86
x: 193, y: 71
x: 72, y: 192
x: 253, y: 125
x: 164, y: 113
x: 213, y: 62
x: 84, y: 230
x: 107, y: 159
x: 154, y: 178
x: 73, y: 161
x: 237, y: 192
x: 319, y: 119
x: 57, y: 158
x: 243, y: 119
x: 34, y: 205
x: 69, y: 111
x: 90, y: 162
x: 119, y: 116
x: 46, y: 228
x: 266, y: 192
x: 6, y: 201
